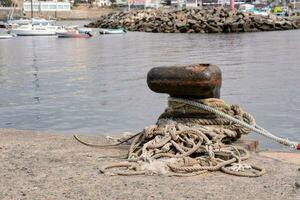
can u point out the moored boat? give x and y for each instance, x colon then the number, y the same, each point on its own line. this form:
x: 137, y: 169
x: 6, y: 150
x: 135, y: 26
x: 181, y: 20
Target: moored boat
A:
x: 34, y: 21
x: 35, y: 30
x: 84, y: 30
x: 74, y: 32
x: 112, y: 31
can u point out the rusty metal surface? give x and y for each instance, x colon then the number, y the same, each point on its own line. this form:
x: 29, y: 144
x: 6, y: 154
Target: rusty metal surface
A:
x: 197, y: 81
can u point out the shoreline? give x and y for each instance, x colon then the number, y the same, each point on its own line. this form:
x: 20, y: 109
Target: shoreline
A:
x: 75, y: 14
x: 36, y: 165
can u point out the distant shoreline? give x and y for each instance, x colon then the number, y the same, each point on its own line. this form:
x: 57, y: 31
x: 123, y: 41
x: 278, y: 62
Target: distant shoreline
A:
x: 74, y: 14
x: 86, y: 14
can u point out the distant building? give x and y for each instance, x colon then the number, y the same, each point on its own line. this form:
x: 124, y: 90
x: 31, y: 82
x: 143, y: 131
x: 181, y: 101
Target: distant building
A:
x: 121, y: 2
x: 192, y: 3
x: 152, y: 3
x: 46, y: 6
x: 102, y: 3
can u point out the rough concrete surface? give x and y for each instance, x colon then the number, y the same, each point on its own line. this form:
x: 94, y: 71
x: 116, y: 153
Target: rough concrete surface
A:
x: 49, y: 166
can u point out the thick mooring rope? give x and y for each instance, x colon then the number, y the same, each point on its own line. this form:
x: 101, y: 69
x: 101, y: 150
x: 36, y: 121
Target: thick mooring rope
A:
x: 178, y: 146
x: 255, y: 128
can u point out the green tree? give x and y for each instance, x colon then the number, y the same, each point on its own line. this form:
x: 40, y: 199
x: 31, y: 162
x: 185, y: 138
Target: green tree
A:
x: 6, y: 3
x: 76, y: 2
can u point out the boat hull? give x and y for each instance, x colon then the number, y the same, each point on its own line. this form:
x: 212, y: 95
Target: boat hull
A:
x: 33, y: 32
x: 111, y: 31
x: 6, y: 37
x: 72, y: 35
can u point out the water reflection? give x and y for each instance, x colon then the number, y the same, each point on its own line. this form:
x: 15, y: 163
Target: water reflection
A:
x: 35, y: 71
x: 98, y: 85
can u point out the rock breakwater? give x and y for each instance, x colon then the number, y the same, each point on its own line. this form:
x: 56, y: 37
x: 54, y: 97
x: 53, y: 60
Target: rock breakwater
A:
x: 216, y: 20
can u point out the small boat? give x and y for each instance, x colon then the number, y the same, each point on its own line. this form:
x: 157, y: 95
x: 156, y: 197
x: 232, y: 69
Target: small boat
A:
x: 84, y: 30
x: 35, y: 30
x: 74, y: 32
x: 112, y: 31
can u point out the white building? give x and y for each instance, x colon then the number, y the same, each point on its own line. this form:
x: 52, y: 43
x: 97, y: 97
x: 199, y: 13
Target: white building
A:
x: 102, y: 3
x: 152, y: 3
x: 191, y: 3
x: 40, y: 6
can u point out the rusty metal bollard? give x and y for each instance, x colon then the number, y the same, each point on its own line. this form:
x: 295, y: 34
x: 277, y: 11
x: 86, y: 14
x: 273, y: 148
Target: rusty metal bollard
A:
x: 198, y: 81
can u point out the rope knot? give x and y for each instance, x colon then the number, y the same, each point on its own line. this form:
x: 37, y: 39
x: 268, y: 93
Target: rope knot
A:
x: 149, y: 130
x: 236, y: 110
x: 239, y: 167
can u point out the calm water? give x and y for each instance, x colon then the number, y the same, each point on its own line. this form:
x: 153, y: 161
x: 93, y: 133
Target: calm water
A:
x: 98, y: 85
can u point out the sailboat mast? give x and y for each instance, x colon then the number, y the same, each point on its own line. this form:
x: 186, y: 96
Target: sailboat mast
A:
x: 31, y: 10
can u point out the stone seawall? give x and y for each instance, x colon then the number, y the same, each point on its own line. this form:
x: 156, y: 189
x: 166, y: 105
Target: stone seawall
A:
x: 216, y: 20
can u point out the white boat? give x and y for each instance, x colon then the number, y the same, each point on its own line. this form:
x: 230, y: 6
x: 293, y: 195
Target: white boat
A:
x: 6, y: 36
x: 35, y: 30
x: 18, y: 22
x: 34, y: 21
x: 84, y: 30
x: 74, y: 32
x: 77, y: 28
x: 112, y: 31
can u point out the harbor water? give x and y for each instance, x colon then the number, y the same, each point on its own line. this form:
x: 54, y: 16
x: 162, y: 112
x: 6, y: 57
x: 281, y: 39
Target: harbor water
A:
x: 98, y: 85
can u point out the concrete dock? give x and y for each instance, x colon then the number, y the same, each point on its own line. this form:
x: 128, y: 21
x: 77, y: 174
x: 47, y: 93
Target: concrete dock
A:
x: 51, y: 166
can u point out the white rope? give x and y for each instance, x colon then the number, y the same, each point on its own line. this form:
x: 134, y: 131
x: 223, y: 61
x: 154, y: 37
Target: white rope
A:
x: 255, y: 128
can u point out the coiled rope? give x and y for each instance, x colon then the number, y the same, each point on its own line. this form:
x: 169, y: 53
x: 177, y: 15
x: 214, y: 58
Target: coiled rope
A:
x: 256, y: 128
x: 174, y: 149
x: 182, y: 146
